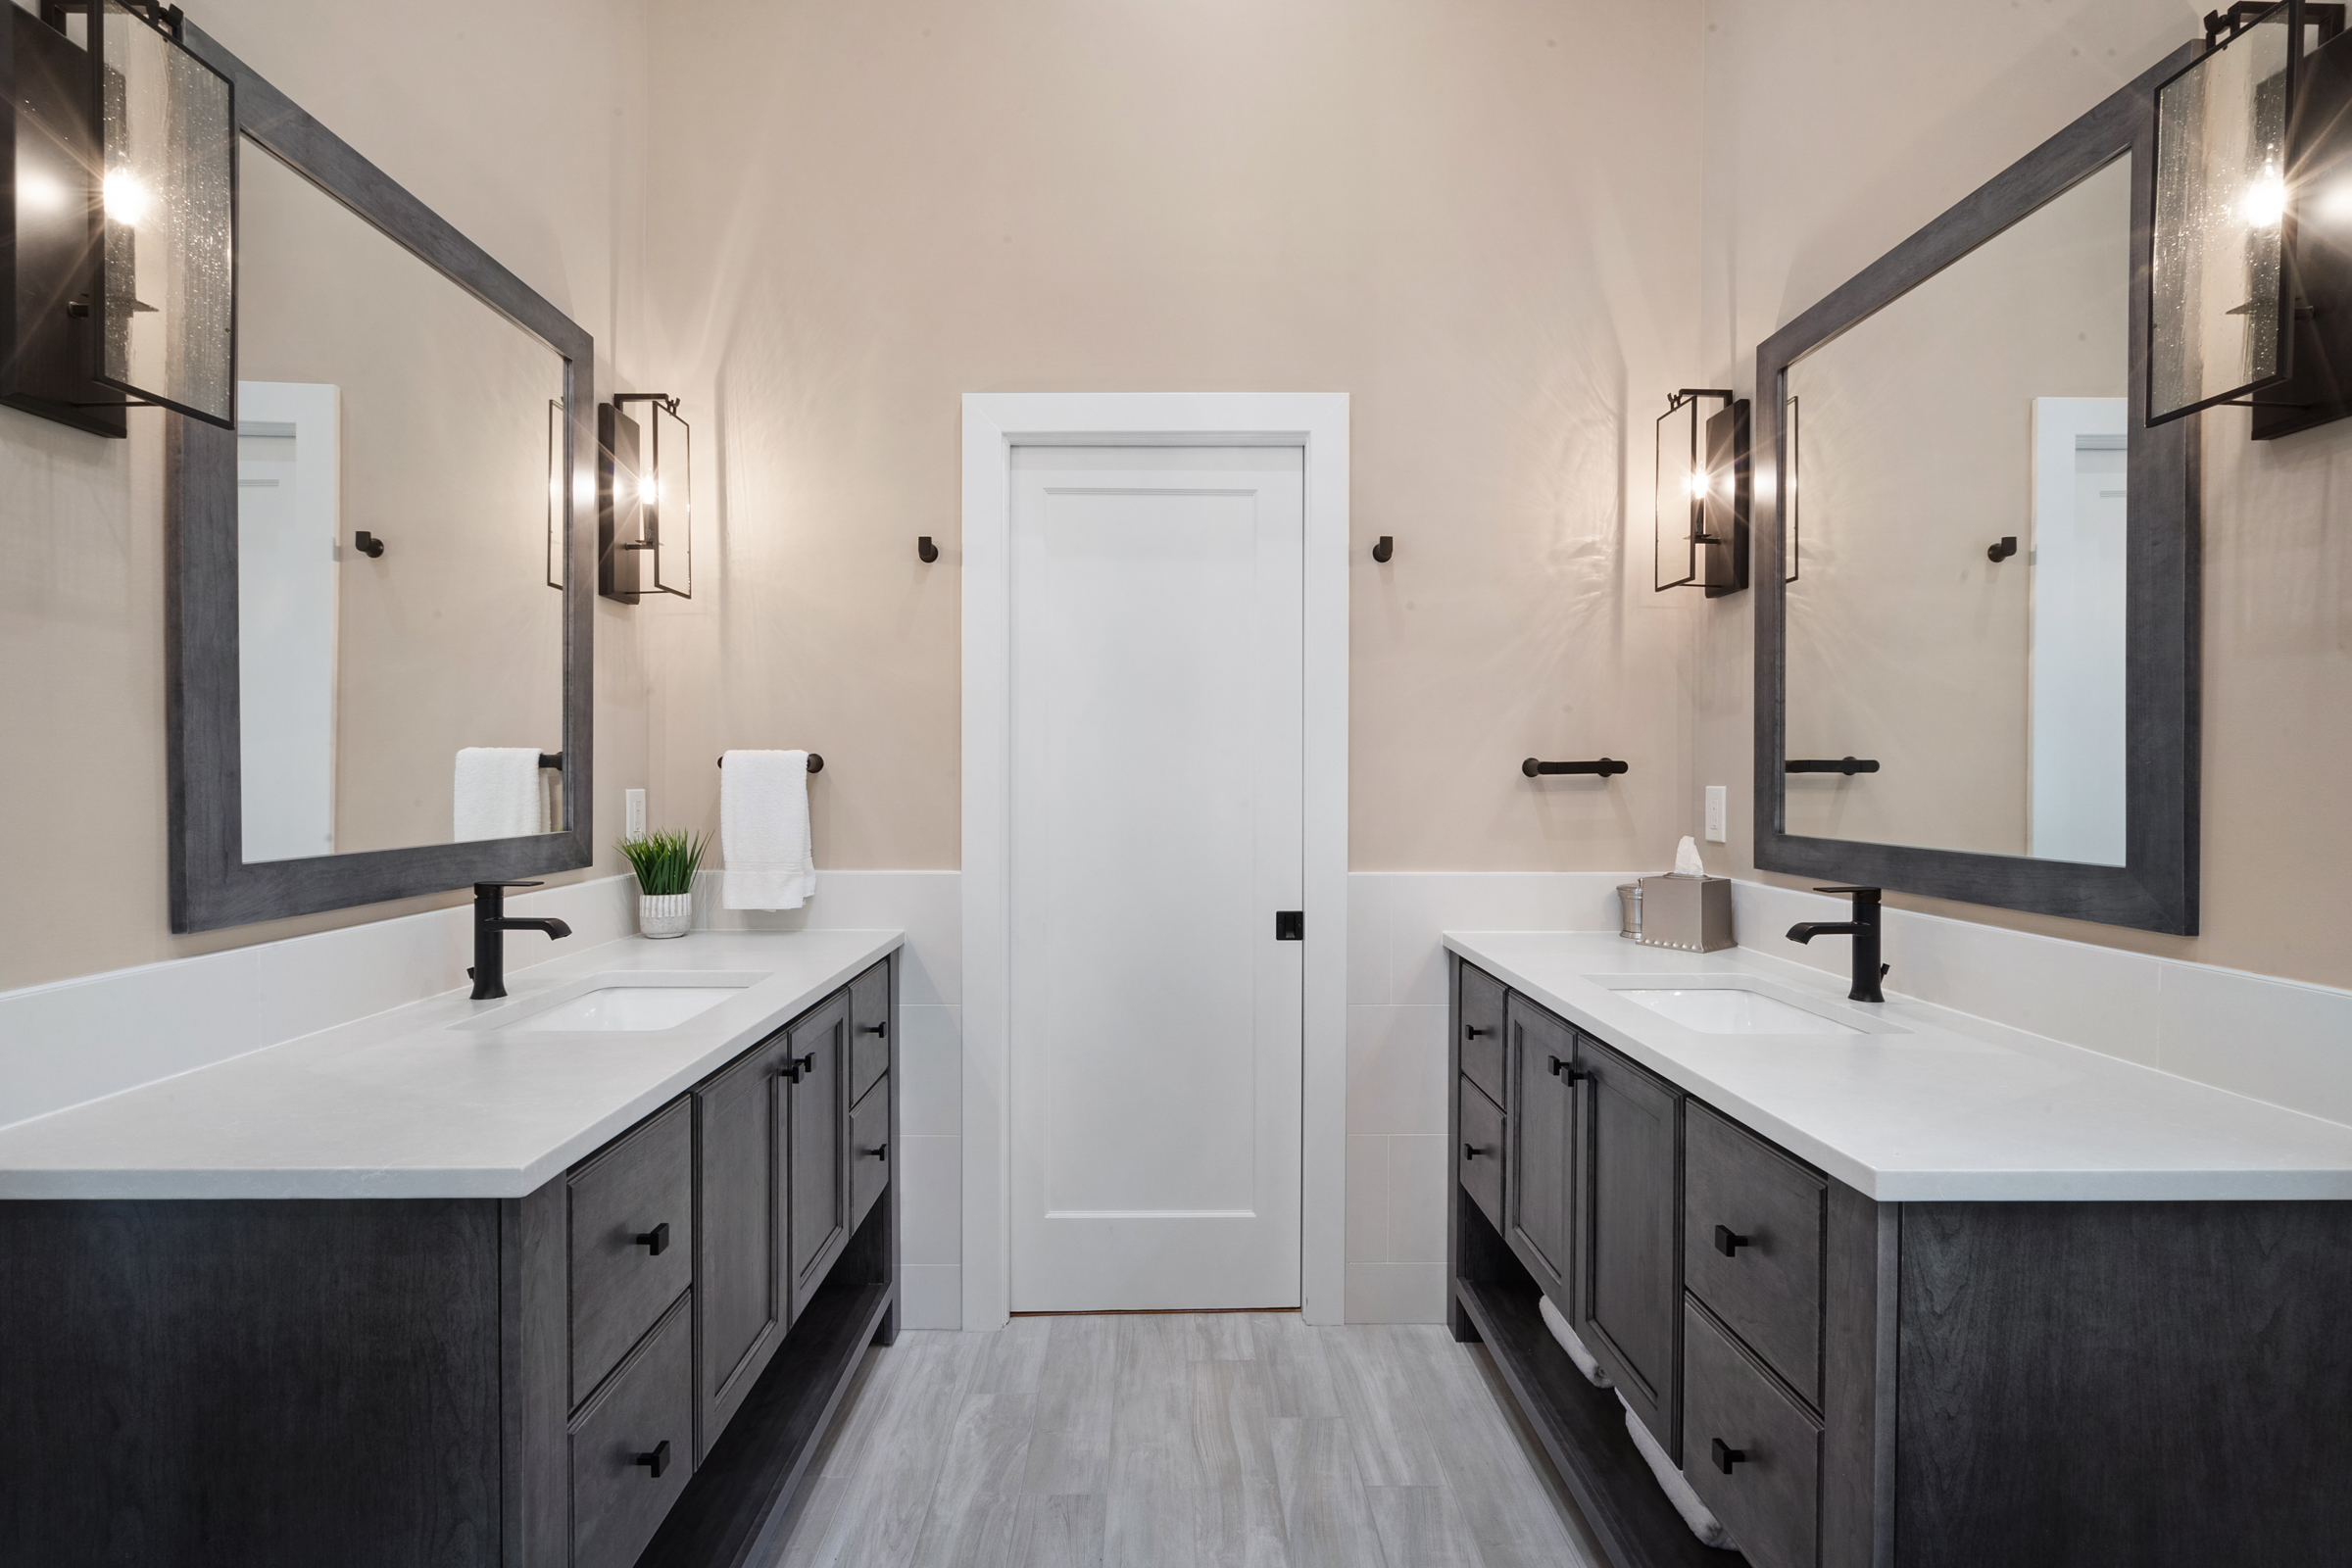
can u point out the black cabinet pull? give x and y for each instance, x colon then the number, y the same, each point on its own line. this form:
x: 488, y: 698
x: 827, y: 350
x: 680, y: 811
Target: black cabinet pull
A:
x: 880, y: 1152
x: 659, y: 1459
x: 881, y: 1029
x: 1726, y: 1456
x: 1470, y: 1150
x: 794, y: 1066
x: 1728, y: 1241
x: 1471, y: 1031
x: 1567, y: 1073
x: 657, y: 1239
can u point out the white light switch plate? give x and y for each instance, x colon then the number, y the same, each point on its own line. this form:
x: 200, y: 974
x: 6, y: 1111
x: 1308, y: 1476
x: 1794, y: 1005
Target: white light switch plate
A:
x: 1719, y: 812
x: 633, y: 808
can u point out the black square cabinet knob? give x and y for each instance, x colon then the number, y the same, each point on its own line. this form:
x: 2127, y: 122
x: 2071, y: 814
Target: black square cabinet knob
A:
x: 1289, y: 925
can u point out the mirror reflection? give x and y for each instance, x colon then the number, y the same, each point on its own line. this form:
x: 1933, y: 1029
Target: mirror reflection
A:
x: 1953, y: 543
x: 398, y: 541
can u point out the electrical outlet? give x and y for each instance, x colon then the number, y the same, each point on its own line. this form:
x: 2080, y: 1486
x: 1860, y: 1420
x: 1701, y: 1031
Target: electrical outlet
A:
x: 1719, y: 812
x: 633, y: 809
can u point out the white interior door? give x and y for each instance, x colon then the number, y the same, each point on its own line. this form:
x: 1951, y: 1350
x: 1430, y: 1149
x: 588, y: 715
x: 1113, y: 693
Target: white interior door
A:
x: 1157, y: 745
x: 2077, y: 739
x: 289, y: 508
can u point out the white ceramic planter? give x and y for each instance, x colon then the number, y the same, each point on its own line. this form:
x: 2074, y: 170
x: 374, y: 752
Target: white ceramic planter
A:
x: 668, y: 915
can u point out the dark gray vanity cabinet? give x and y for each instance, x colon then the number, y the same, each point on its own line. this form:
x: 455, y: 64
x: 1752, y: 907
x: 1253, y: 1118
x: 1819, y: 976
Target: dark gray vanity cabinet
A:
x: 1854, y: 1384
x: 1628, y: 1218
x: 741, y: 1141
x: 631, y: 1364
x: 1542, y: 1167
x: 818, y: 1098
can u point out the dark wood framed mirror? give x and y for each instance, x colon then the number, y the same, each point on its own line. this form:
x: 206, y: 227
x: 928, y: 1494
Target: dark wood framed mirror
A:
x: 385, y: 574
x: 1941, y: 708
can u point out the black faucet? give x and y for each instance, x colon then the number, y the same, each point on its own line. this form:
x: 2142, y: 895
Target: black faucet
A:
x: 491, y: 925
x: 1864, y: 929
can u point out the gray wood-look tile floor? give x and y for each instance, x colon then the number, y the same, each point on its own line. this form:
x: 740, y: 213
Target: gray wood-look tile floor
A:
x: 1183, y: 1441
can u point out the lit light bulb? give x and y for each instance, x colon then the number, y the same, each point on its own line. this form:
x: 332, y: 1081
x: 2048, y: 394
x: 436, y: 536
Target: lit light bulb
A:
x: 1697, y: 484
x: 2264, y: 202
x: 125, y: 197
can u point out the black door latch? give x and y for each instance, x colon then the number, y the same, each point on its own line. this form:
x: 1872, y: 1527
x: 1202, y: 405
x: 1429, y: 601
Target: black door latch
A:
x: 1289, y: 925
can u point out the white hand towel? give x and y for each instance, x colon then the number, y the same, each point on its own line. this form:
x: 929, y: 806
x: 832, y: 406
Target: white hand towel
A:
x: 498, y: 794
x: 764, y: 830
x: 1575, y: 1347
x: 1696, y: 1514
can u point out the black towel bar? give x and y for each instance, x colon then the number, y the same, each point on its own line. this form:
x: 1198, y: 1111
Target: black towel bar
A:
x: 816, y: 764
x: 1605, y: 766
x: 1848, y: 766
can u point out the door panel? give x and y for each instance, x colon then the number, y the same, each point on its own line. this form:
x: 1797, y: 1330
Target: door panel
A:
x: 1157, y: 823
x: 1630, y: 1295
x: 816, y: 1104
x: 739, y: 1295
x: 1542, y: 1057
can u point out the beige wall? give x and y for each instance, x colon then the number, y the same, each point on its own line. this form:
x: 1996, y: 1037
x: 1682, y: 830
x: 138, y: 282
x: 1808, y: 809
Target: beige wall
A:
x: 1835, y: 129
x: 1915, y: 436
x: 523, y: 123
x: 1478, y: 220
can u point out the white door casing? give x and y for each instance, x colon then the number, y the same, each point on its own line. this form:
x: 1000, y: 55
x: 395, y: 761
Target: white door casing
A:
x: 994, y: 425
x: 1156, y: 821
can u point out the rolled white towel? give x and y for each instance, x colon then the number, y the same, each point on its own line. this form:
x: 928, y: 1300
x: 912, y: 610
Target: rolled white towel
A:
x: 1575, y: 1347
x: 1696, y: 1514
x: 764, y: 830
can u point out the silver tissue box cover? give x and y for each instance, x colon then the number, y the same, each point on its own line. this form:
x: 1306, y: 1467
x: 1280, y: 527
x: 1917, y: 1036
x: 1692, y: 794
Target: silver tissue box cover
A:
x: 1688, y: 912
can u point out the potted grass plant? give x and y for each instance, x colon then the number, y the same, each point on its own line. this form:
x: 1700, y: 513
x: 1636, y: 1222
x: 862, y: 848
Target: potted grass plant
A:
x: 665, y: 863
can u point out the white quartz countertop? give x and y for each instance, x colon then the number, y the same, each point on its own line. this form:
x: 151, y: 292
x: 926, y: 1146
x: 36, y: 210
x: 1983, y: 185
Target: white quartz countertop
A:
x: 1935, y: 1105
x: 439, y: 1099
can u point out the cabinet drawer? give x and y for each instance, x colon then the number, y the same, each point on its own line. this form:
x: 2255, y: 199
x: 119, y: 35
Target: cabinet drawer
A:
x: 1739, y: 1193
x: 870, y: 1151
x: 1482, y: 1032
x: 631, y: 1242
x: 1749, y: 1451
x: 870, y: 1028
x: 642, y: 1422
x: 1480, y: 1157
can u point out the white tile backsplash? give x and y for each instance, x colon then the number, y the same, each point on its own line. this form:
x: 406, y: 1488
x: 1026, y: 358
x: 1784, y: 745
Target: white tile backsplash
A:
x: 2272, y: 1040
x: 78, y: 1040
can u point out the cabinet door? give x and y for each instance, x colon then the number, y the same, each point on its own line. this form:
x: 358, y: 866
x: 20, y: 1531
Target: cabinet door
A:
x: 740, y: 1295
x: 1541, y: 1164
x: 817, y: 1109
x: 1629, y: 1296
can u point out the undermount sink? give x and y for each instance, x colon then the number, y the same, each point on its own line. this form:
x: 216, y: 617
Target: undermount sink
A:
x: 1728, y: 1010
x: 624, y: 1006
x: 639, y: 1001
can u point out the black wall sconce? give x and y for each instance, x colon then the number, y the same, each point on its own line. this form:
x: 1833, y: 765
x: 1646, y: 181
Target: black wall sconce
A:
x: 117, y: 264
x: 1704, y: 488
x: 643, y: 483
x: 2252, y: 280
